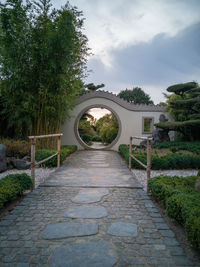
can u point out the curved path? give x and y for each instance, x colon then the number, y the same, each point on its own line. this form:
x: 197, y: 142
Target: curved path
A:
x: 90, y: 213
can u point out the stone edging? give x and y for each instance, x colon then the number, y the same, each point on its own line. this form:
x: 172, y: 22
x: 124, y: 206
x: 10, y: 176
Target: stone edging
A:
x: 119, y: 101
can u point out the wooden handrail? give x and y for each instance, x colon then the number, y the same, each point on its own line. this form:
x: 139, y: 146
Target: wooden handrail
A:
x: 33, y: 144
x: 148, y: 166
x: 44, y: 136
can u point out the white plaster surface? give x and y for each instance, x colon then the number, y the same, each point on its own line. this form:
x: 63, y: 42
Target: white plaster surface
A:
x: 131, y: 121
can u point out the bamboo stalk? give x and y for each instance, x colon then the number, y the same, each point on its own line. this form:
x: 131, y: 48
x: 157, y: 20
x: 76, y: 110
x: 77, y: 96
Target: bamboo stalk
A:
x: 33, y: 142
x: 58, y: 147
x: 139, y: 161
x: 44, y: 160
x: 130, y: 152
x: 148, y: 161
x: 45, y: 136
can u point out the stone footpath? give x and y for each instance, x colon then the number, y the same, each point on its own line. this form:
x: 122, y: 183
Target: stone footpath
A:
x: 90, y: 212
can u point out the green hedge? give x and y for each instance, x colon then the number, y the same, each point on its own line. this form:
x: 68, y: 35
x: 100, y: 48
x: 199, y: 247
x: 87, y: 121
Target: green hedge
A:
x: 45, y: 153
x: 170, y: 161
x: 176, y: 146
x: 181, y: 200
x: 12, y: 186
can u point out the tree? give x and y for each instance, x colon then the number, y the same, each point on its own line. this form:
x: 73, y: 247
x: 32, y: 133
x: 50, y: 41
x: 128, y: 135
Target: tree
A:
x: 107, y: 128
x: 44, y: 54
x: 184, y: 106
x: 90, y: 87
x: 136, y: 96
x: 85, y: 127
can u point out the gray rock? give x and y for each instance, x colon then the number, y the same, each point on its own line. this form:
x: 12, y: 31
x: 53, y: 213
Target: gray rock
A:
x: 3, y: 159
x: 90, y: 195
x: 89, y: 212
x: 21, y: 164
x: 87, y: 254
x: 69, y: 229
x: 123, y: 229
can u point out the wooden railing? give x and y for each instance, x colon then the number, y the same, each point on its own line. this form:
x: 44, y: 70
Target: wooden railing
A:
x: 33, y: 161
x: 148, y: 166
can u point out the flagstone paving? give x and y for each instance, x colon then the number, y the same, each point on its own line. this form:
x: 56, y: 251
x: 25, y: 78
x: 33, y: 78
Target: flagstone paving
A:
x: 58, y: 223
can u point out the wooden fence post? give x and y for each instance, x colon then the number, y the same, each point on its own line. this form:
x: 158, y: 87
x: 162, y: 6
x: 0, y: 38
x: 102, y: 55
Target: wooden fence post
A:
x: 148, y: 161
x: 130, y: 152
x: 33, y: 142
x: 58, y: 148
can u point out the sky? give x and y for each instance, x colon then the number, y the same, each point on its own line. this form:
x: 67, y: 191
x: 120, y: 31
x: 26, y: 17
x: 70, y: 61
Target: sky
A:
x: 97, y: 113
x: 147, y: 43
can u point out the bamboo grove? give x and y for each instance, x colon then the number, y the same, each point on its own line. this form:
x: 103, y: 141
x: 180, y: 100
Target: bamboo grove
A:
x: 43, y: 61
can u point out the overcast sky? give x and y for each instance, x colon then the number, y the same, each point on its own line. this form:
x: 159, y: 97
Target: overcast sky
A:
x: 148, y: 43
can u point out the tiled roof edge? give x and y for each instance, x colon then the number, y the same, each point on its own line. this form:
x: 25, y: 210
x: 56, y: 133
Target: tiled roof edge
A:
x: 123, y: 103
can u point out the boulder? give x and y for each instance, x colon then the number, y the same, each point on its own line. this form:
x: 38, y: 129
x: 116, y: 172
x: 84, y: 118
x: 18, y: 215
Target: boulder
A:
x: 21, y: 164
x: 3, y: 159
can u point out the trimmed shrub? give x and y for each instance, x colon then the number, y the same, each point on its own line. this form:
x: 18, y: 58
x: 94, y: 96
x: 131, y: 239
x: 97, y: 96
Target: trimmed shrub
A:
x: 12, y: 186
x: 170, y: 161
x: 176, y: 146
x: 45, y: 153
x: 182, y: 202
x: 16, y: 148
x: 192, y: 227
x: 96, y: 138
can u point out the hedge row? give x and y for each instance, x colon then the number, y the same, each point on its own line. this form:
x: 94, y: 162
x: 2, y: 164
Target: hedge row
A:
x: 176, y: 146
x: 12, y: 186
x: 181, y: 201
x: 45, y: 153
x: 170, y: 161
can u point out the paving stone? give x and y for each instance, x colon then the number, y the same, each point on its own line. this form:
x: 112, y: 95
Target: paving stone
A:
x: 123, y: 229
x: 22, y: 265
x: 69, y: 229
x: 87, y: 254
x: 92, y: 212
x: 90, y: 195
x: 114, y: 189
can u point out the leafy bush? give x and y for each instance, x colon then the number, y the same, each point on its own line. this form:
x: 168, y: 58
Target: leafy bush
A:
x: 12, y: 186
x: 170, y: 161
x: 45, y: 153
x: 176, y: 146
x: 16, y: 148
x: 182, y: 202
x: 96, y: 138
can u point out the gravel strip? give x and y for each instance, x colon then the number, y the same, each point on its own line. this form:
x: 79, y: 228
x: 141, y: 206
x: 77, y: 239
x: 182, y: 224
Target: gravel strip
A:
x: 40, y: 174
x: 142, y: 178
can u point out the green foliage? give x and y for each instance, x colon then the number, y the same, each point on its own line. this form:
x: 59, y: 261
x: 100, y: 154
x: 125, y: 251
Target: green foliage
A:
x: 107, y: 128
x: 177, y: 146
x: 170, y: 161
x: 136, y: 96
x: 182, y: 87
x: 45, y: 153
x: 12, y: 186
x: 96, y: 138
x: 184, y: 106
x: 85, y: 128
x: 16, y: 148
x: 182, y: 202
x: 43, y: 61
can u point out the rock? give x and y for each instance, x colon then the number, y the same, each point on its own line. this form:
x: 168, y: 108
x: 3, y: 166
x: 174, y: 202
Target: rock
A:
x: 197, y: 185
x: 3, y: 159
x: 21, y: 164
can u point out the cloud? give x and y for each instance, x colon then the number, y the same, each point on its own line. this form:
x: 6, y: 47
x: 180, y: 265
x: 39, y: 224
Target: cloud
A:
x: 154, y: 65
x: 121, y: 23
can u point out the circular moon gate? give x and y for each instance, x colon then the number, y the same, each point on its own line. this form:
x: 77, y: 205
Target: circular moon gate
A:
x: 79, y: 117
